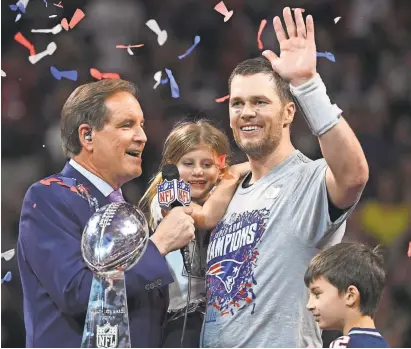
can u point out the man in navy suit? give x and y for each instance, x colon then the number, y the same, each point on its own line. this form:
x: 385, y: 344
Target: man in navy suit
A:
x: 102, y: 130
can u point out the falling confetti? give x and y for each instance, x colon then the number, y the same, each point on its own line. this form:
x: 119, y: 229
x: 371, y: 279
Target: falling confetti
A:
x: 164, y: 81
x: 157, y: 79
x: 68, y: 74
x: 3, y: 74
x: 7, y: 277
x: 222, y: 99
x: 336, y: 19
x: 8, y: 254
x: 129, y: 47
x: 51, y: 48
x: 409, y: 249
x: 196, y: 42
x: 18, y: 6
x: 77, y: 17
x: 99, y: 75
x: 260, y: 31
x: 221, y: 8
x: 58, y: 5
x: 45, y: 1
x: 52, y: 16
x: 327, y: 55
x: 175, y: 91
x: 34, y: 205
x: 23, y: 41
x: 161, y: 34
x: 55, y: 30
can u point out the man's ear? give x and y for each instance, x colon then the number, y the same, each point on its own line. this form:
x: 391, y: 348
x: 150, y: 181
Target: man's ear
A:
x: 86, y: 135
x: 289, y: 113
x: 352, y: 296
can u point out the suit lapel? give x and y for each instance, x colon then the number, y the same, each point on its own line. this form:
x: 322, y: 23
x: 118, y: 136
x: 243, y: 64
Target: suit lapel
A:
x: 70, y: 172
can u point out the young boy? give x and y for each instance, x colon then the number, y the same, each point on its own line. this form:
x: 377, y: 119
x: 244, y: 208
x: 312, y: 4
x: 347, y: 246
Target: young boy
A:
x: 345, y: 282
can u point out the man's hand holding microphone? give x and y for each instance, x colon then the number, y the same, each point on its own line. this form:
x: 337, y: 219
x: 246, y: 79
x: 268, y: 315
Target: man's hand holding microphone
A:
x: 175, y: 231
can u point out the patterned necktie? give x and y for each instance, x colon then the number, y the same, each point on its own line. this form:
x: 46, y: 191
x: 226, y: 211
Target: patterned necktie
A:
x: 116, y: 196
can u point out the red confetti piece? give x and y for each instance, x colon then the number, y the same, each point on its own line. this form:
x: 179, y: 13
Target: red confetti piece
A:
x: 99, y: 75
x: 23, y: 41
x: 77, y: 17
x: 129, y: 46
x: 222, y: 99
x: 409, y: 249
x: 222, y: 8
x: 65, y: 24
x: 260, y: 31
x: 34, y: 206
x: 50, y: 180
x: 58, y: 5
x: 220, y: 161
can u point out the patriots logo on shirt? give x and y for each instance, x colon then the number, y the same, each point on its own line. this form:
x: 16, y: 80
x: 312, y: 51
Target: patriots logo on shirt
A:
x: 227, y: 271
x: 232, y: 257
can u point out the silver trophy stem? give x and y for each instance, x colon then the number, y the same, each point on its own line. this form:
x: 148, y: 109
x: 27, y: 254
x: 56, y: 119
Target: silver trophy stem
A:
x: 107, y: 324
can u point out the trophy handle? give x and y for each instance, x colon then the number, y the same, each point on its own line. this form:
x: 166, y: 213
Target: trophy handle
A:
x: 107, y: 324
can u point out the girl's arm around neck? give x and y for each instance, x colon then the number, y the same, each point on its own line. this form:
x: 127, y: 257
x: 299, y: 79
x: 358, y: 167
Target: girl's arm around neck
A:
x: 207, y: 216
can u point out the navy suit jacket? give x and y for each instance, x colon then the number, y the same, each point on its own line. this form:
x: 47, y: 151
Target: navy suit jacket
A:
x: 56, y: 282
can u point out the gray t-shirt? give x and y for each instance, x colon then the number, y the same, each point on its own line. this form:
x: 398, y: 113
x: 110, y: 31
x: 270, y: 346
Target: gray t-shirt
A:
x: 258, y: 254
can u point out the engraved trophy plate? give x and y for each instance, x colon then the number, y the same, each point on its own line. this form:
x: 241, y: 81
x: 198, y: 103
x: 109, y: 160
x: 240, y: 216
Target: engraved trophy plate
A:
x: 113, y: 241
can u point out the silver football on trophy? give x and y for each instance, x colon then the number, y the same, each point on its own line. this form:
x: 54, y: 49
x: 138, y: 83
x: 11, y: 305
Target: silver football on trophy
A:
x: 114, y: 238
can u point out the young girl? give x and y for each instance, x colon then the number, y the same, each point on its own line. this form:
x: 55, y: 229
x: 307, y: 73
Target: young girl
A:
x: 200, y: 151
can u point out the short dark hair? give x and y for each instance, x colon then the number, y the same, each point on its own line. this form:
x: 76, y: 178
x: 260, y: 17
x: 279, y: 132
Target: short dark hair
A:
x: 86, y: 105
x: 262, y: 65
x: 351, y: 263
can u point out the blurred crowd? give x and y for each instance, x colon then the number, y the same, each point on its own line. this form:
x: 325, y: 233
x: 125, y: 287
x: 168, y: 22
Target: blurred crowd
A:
x: 370, y: 80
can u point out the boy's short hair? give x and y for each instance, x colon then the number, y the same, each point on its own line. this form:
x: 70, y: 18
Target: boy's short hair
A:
x: 348, y: 264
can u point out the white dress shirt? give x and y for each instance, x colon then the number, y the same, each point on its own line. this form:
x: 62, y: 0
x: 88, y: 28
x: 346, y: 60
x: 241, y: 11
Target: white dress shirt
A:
x: 105, y: 188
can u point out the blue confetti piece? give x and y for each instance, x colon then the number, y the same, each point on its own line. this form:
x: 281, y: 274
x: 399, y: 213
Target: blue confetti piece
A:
x: 68, y: 74
x: 7, y: 277
x: 18, y: 6
x: 175, y: 91
x: 327, y: 55
x: 164, y: 81
x: 196, y: 42
x: 45, y: 1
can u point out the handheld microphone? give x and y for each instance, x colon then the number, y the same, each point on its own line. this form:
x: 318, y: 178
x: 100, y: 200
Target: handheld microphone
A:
x: 173, y: 192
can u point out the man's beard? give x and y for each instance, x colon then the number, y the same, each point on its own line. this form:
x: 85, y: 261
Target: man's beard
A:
x: 263, y: 147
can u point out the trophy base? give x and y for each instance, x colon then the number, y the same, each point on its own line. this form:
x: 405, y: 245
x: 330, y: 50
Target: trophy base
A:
x: 107, y: 324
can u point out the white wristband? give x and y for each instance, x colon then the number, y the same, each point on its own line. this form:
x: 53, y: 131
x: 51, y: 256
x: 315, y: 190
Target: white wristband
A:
x: 318, y: 111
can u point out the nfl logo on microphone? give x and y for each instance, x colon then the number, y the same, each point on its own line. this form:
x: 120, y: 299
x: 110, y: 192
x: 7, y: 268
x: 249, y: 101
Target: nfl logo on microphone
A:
x: 170, y: 191
x: 107, y: 336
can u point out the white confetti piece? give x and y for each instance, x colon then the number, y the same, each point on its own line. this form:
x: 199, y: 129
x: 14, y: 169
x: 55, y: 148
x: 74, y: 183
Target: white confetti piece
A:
x: 336, y: 19
x: 161, y: 34
x: 157, y: 79
x: 55, y: 30
x: 8, y: 254
x: 3, y: 74
x: 51, y: 48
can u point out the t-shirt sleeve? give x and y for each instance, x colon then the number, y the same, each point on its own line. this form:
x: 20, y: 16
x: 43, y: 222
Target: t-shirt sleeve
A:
x: 310, y: 208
